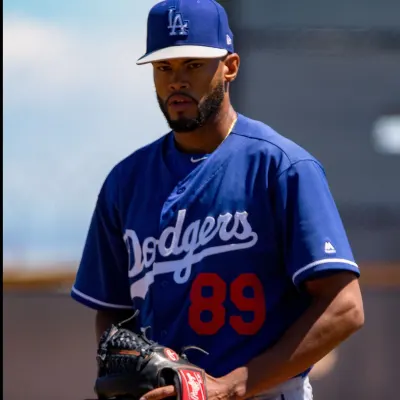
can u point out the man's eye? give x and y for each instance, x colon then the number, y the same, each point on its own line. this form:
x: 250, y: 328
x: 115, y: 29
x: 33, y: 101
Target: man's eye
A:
x: 194, y: 66
x: 163, y: 68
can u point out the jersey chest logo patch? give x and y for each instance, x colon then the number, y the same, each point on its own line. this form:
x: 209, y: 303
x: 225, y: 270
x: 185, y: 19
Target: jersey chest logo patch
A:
x: 190, y: 245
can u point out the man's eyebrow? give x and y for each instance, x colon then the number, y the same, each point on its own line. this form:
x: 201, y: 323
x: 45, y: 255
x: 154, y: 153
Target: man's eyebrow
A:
x: 191, y: 60
x: 185, y: 62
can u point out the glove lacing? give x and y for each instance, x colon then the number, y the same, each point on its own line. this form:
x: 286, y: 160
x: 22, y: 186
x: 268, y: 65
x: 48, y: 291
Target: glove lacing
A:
x: 145, y: 350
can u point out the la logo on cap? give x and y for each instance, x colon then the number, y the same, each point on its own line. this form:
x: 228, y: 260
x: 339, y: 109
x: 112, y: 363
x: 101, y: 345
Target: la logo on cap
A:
x: 176, y: 25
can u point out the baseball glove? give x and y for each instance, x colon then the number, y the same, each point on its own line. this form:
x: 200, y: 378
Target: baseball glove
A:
x: 130, y: 365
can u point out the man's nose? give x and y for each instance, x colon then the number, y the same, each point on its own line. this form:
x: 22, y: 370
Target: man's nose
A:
x: 177, y: 83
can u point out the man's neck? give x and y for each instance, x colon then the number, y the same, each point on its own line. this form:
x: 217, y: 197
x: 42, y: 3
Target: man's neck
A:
x: 207, y: 138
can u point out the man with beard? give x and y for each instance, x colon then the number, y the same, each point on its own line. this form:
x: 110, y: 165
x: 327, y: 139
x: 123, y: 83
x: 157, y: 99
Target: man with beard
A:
x: 222, y: 233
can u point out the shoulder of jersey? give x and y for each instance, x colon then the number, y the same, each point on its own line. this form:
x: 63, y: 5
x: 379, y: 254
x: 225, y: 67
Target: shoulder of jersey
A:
x: 138, y: 160
x: 264, y: 139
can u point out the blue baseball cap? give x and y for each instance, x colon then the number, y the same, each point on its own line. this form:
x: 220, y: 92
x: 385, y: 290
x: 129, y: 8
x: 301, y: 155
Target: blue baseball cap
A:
x: 187, y: 29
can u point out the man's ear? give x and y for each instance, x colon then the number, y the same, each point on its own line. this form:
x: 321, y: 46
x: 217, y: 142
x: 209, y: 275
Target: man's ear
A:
x: 231, y: 67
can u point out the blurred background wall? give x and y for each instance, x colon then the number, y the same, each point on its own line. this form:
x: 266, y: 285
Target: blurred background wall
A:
x: 322, y: 73
x: 326, y: 74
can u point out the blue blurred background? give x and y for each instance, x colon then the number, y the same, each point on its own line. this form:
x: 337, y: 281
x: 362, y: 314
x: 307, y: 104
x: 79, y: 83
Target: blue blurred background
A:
x: 75, y: 103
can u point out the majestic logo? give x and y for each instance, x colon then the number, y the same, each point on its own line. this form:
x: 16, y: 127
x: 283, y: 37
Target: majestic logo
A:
x: 176, y: 25
x: 328, y: 248
x: 190, y: 245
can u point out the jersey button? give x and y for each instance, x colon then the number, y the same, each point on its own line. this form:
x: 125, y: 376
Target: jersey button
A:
x: 163, y: 333
x: 181, y: 190
x: 164, y: 284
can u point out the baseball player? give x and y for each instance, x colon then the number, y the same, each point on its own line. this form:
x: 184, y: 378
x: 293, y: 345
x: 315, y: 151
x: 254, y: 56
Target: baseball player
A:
x: 223, y: 234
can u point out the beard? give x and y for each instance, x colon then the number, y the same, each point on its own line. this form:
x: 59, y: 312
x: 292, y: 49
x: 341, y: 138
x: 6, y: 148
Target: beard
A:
x: 206, y: 109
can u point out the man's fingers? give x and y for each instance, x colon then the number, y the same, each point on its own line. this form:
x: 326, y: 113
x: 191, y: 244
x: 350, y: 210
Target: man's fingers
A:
x: 160, y: 393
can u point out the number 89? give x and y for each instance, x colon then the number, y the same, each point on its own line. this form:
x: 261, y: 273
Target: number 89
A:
x: 214, y: 304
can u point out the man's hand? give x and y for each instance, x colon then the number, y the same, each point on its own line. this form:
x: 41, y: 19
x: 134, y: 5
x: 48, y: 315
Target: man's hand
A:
x: 231, y: 386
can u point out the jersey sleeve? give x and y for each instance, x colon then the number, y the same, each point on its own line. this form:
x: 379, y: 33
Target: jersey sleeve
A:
x: 313, y: 235
x: 102, y: 278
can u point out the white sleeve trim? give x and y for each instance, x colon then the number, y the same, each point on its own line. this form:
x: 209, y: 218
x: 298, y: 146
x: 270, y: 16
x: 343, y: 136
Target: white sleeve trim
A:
x: 324, y: 261
x: 101, y: 303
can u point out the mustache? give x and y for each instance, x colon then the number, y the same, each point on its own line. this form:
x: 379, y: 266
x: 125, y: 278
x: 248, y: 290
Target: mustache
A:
x: 179, y: 93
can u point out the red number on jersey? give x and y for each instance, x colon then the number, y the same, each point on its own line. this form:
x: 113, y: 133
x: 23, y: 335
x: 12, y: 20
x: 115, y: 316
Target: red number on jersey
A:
x: 255, y: 304
x: 214, y: 304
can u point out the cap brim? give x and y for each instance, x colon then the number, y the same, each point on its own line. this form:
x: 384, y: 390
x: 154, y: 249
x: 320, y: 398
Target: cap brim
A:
x: 185, y: 51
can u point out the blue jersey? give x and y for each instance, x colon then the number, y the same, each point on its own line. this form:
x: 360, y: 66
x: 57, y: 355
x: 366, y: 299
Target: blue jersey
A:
x: 213, y: 249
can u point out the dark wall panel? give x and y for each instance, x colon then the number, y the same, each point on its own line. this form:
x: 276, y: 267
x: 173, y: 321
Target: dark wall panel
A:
x: 322, y: 73
x: 49, y: 350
